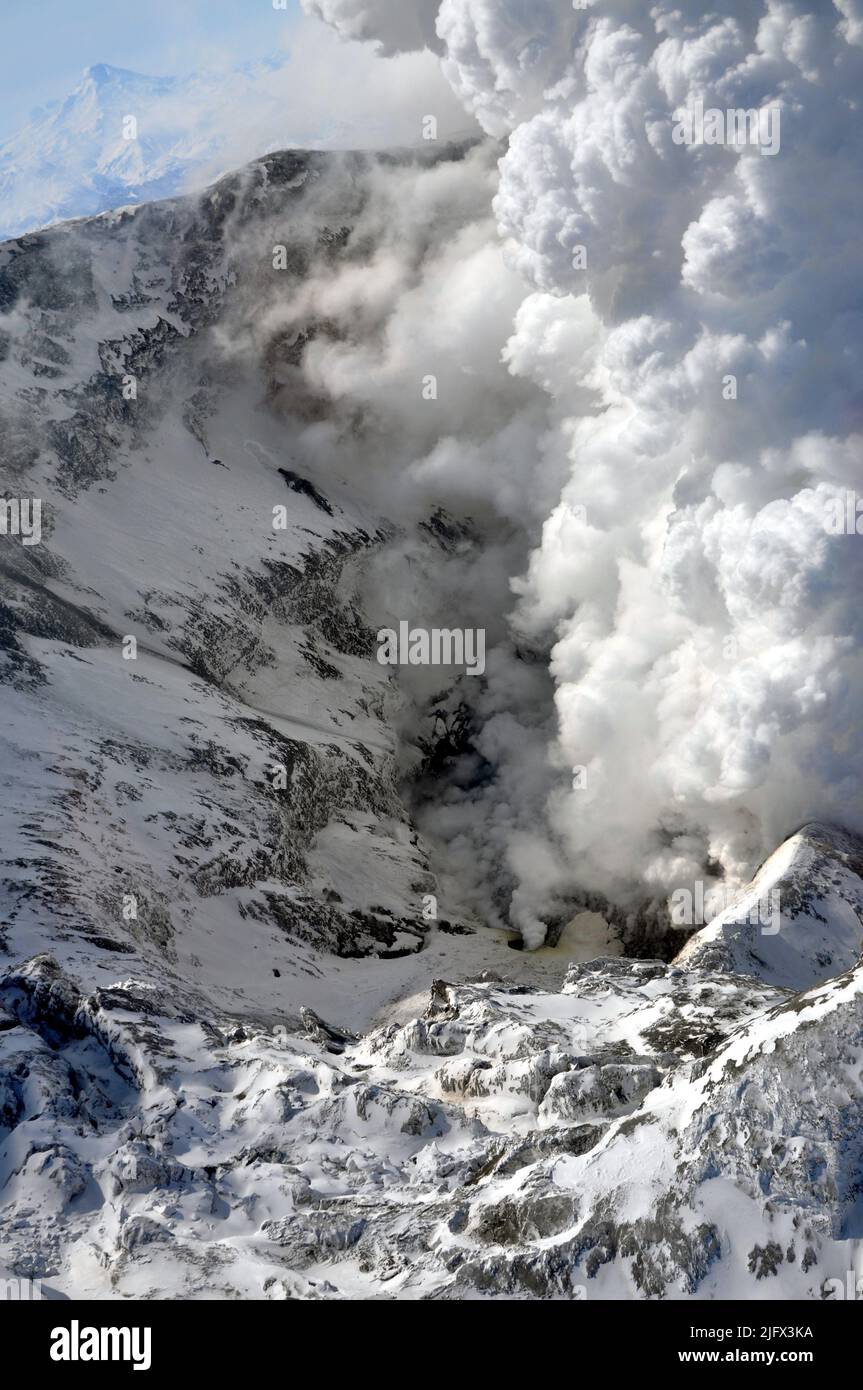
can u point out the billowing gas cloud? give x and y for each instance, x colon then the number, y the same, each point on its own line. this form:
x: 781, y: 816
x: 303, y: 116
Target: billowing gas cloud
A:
x: 393, y: 25
x: 691, y: 316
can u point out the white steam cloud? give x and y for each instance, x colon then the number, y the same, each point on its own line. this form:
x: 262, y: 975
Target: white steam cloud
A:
x: 690, y: 318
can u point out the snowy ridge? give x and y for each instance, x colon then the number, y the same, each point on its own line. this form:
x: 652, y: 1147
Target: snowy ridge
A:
x: 816, y: 877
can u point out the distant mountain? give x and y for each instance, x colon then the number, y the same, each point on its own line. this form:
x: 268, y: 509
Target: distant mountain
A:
x: 75, y: 159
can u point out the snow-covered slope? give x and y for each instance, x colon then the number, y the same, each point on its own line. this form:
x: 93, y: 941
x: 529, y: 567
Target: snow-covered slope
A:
x: 227, y: 800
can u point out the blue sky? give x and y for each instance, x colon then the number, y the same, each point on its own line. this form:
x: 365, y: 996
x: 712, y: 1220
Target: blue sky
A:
x: 47, y: 43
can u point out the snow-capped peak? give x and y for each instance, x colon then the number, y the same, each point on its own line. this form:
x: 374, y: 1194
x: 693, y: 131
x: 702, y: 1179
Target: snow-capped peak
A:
x: 124, y: 137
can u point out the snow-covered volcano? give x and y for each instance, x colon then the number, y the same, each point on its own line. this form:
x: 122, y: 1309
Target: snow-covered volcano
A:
x: 247, y: 1047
